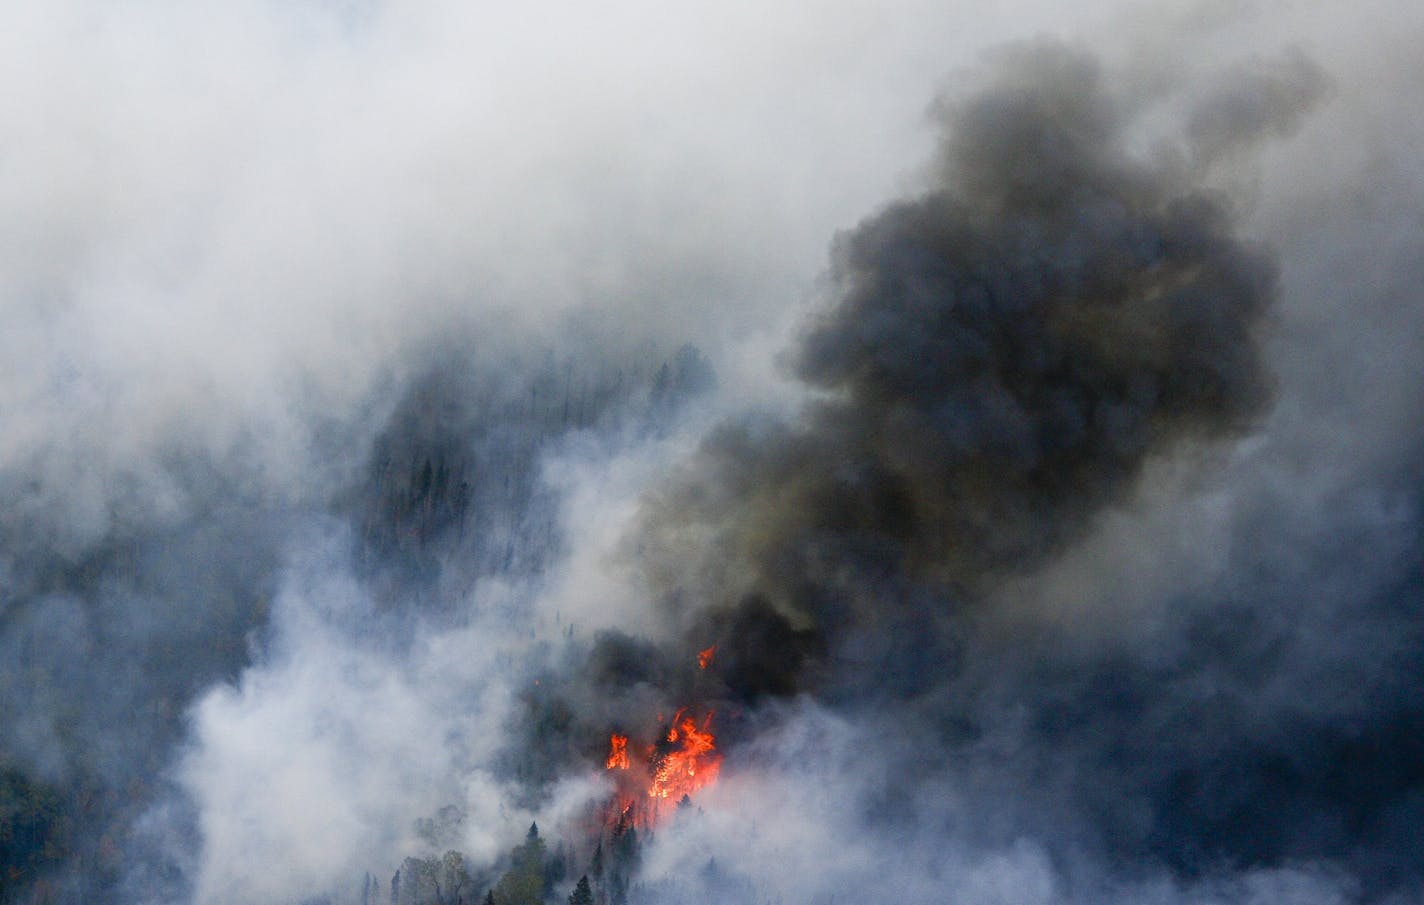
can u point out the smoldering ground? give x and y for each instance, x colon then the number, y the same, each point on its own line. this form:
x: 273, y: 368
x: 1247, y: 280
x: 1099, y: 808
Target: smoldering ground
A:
x: 1082, y: 565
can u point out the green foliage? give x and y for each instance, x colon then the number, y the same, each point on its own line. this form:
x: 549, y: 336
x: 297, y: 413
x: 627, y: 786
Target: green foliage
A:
x: 525, y: 882
x: 432, y: 881
x: 582, y: 894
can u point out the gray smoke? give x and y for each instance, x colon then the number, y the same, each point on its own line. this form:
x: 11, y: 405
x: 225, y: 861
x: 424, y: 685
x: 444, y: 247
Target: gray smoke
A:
x: 1003, y: 355
x: 1051, y: 625
x: 394, y: 398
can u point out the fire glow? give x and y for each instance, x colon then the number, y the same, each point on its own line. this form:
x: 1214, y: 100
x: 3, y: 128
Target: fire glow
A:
x: 686, y: 760
x: 618, y: 752
x: 682, y: 761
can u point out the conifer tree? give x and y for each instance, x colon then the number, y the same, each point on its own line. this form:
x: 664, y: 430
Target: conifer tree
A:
x: 582, y: 894
x: 525, y: 883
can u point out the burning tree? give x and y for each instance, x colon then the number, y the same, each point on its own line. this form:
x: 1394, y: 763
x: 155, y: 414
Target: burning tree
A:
x: 681, y: 761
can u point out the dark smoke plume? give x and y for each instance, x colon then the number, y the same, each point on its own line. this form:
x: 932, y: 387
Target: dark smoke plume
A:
x: 1002, y: 355
x: 353, y: 494
x: 1003, y: 358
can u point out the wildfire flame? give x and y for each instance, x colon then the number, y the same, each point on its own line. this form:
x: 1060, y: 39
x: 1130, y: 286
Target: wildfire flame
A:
x: 682, y: 761
x: 689, y: 762
x: 617, y: 752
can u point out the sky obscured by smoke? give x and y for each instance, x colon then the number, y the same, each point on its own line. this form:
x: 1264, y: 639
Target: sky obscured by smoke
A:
x: 1024, y: 402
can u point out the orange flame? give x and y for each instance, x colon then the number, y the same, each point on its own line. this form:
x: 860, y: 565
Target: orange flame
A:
x: 617, y: 752
x: 689, y: 760
x: 704, y: 658
x: 681, y: 763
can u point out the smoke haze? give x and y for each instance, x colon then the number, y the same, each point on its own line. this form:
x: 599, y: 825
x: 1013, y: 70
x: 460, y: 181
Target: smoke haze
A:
x: 396, y: 397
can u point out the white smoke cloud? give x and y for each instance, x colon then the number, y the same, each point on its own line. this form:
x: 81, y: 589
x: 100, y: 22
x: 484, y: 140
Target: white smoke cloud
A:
x: 232, y: 233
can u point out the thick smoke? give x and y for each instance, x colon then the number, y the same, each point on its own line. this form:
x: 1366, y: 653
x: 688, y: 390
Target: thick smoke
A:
x: 1088, y: 677
x: 395, y: 399
x: 1004, y: 353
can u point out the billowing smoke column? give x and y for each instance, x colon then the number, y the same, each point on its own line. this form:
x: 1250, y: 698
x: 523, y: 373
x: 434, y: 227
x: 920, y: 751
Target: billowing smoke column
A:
x: 1000, y: 357
x: 1054, y: 572
x: 1003, y: 357
x: 1004, y: 353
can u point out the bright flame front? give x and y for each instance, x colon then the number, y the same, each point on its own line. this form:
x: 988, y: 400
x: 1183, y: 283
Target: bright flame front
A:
x: 686, y: 760
x: 683, y: 761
